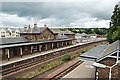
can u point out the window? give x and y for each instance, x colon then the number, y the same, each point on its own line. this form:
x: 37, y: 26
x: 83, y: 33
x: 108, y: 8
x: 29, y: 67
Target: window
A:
x: 17, y: 32
x: 17, y: 35
x: 2, y: 32
x: 2, y: 35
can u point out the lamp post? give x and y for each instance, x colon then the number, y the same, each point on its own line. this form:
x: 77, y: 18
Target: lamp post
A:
x: 104, y: 66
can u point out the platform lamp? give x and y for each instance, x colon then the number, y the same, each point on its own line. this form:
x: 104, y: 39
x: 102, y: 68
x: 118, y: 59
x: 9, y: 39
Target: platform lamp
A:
x: 104, y: 66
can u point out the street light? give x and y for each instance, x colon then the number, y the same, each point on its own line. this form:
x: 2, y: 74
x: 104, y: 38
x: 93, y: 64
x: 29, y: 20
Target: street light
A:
x: 104, y: 66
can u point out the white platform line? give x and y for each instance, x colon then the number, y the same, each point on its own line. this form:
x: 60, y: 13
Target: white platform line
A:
x: 73, y: 70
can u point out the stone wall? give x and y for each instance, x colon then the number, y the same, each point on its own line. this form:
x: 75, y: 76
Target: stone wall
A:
x: 45, y: 35
x: 71, y: 35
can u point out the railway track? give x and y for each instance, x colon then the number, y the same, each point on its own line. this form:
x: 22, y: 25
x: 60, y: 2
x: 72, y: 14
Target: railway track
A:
x: 16, y: 67
x: 32, y: 62
x: 65, y: 71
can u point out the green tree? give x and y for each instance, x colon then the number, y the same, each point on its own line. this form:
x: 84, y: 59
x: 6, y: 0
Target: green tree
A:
x: 115, y: 18
x: 113, y: 34
x: 88, y: 31
x: 114, y: 30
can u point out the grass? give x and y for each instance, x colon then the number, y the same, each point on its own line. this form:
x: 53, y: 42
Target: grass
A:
x: 56, y: 63
x: 42, y: 69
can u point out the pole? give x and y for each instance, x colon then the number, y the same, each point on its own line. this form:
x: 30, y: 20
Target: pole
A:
x: 96, y: 75
x: 8, y: 54
x: 21, y: 52
x: 110, y: 73
x: 31, y: 49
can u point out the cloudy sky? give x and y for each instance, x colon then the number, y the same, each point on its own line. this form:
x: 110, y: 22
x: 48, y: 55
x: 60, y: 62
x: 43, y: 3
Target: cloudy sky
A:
x: 65, y: 13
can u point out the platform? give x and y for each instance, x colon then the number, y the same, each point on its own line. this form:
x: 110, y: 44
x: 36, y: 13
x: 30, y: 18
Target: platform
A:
x: 84, y: 71
x: 18, y: 59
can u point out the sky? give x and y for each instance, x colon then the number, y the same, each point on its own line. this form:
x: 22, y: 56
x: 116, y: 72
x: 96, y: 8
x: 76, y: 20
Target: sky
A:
x: 57, y: 13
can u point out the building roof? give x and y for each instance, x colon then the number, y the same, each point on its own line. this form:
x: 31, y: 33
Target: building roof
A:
x: 13, y: 29
x: 94, y: 53
x: 110, y: 49
x: 33, y: 30
x: 32, y: 43
x: 62, y: 36
x: 101, y: 52
x: 69, y: 32
x: 62, y: 32
x: 6, y: 41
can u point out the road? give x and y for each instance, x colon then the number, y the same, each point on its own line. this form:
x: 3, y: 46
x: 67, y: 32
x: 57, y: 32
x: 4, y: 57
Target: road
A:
x: 83, y: 72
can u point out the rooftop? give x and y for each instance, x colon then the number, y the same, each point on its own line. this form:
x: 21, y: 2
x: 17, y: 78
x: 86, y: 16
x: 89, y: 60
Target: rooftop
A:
x: 62, y: 32
x: 100, y: 52
x: 32, y: 43
x: 94, y: 53
x: 62, y: 36
x: 110, y: 49
x: 33, y: 30
x: 6, y: 41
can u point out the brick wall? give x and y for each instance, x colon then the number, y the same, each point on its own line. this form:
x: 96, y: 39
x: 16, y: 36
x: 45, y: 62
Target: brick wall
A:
x: 104, y: 72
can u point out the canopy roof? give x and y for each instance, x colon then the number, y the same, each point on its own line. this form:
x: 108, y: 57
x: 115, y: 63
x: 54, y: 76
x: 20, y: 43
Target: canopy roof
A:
x: 100, y: 52
x: 32, y: 43
x: 110, y: 50
x: 7, y: 41
x: 94, y: 53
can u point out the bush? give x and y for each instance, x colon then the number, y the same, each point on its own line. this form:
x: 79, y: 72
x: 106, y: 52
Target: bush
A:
x: 66, y: 57
x: 83, y: 51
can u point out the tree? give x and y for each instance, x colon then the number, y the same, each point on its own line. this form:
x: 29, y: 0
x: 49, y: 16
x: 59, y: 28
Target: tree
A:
x: 115, y: 18
x: 114, y: 30
x: 113, y: 34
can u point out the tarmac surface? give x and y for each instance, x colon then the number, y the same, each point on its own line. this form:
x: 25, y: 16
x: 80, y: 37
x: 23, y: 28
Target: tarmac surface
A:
x: 85, y: 71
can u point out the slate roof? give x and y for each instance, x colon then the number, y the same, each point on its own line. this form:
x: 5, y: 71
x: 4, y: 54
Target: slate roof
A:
x: 6, y: 41
x: 62, y: 32
x: 32, y: 43
x: 101, y: 52
x: 13, y: 29
x: 34, y: 30
x: 69, y: 33
x: 110, y: 49
x: 62, y: 36
x: 94, y: 53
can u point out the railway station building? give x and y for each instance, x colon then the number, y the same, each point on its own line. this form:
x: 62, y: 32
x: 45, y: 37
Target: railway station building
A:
x: 33, y: 40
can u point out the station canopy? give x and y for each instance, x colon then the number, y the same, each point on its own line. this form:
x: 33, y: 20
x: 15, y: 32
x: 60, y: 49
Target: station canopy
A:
x: 101, y: 52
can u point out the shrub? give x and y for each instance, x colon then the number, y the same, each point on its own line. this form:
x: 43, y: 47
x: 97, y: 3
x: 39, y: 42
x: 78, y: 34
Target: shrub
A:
x: 66, y: 57
x: 83, y: 51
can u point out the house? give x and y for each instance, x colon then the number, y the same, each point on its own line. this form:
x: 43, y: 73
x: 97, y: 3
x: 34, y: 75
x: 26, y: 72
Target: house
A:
x: 67, y: 33
x: 93, y: 35
x: 109, y: 56
x: 9, y: 32
x: 82, y: 37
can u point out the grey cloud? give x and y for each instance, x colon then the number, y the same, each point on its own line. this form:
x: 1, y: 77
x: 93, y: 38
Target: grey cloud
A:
x: 66, y: 12
x: 60, y: 10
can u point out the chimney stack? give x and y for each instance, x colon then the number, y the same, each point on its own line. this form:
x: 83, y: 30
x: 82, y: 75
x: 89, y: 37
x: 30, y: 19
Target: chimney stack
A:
x: 29, y: 26
x: 45, y: 25
x: 35, y: 25
x: 25, y: 28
